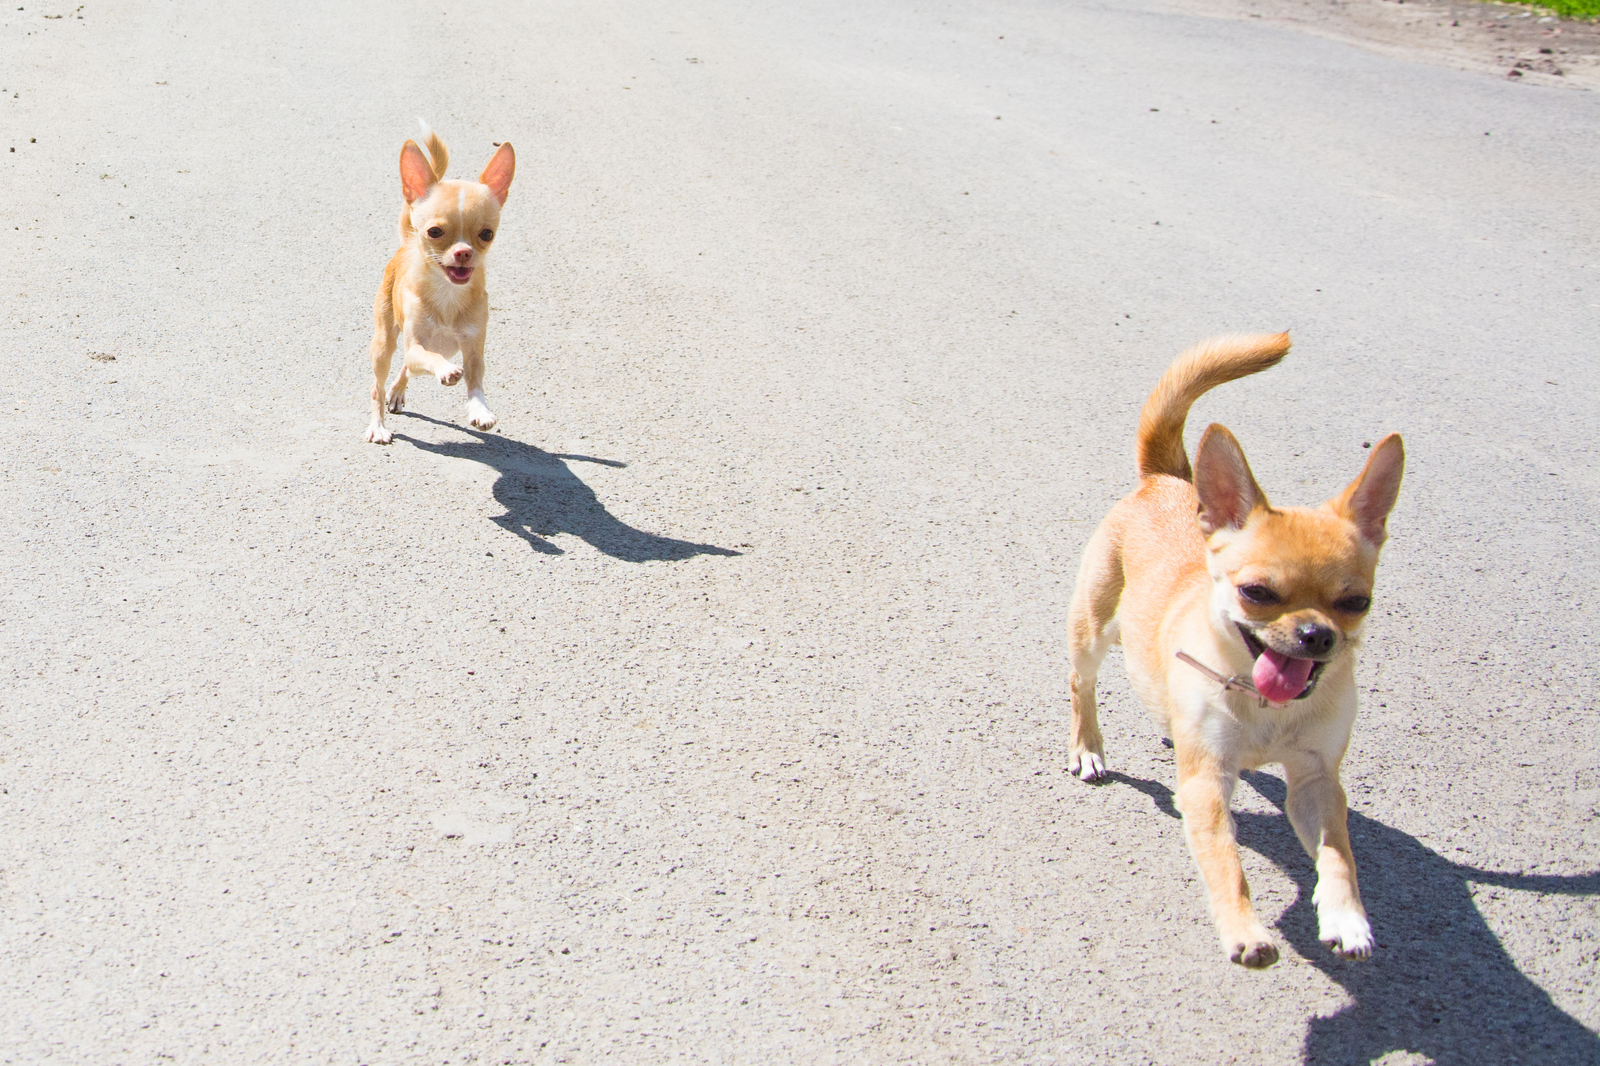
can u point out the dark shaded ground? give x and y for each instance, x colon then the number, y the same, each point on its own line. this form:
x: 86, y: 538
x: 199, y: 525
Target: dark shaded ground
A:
x: 1440, y: 984
x: 544, y: 498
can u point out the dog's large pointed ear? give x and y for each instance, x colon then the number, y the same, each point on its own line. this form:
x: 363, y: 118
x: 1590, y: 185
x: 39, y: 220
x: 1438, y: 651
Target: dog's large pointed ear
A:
x: 497, y: 175
x: 1368, y: 499
x: 1228, y: 491
x: 416, y: 176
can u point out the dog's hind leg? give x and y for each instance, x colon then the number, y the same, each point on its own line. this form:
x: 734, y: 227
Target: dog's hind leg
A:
x: 397, y: 392
x: 1092, y: 629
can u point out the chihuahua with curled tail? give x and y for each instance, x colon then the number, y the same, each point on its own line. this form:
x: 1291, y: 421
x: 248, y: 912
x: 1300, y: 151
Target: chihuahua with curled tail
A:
x: 1239, y: 622
x: 433, y: 297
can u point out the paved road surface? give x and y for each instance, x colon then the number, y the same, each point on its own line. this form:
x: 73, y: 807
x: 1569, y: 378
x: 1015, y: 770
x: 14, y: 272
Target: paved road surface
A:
x: 711, y: 708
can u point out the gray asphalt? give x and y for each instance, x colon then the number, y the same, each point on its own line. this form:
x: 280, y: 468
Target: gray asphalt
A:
x: 712, y: 708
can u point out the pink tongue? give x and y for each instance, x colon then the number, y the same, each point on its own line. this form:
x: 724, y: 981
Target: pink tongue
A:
x: 1279, y: 678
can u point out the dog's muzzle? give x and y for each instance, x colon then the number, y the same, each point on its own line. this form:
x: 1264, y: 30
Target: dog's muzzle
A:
x: 1314, y: 641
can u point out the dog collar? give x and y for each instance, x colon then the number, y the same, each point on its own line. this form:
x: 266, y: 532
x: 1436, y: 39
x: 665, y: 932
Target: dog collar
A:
x: 1236, y: 682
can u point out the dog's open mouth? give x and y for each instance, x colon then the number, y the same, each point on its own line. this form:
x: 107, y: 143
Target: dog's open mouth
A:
x: 459, y: 275
x: 1279, y: 677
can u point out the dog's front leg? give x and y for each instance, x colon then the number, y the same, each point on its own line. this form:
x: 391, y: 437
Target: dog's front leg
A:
x: 1317, y: 810
x: 382, y: 352
x: 1204, y: 793
x: 478, y: 414
x: 1092, y: 629
x: 422, y: 359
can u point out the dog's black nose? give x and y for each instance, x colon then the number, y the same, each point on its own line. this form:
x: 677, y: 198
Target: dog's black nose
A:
x: 1315, y: 638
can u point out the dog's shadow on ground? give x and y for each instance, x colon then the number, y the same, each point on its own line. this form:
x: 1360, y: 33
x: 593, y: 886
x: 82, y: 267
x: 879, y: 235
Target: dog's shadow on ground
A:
x: 542, y: 497
x: 1440, y: 984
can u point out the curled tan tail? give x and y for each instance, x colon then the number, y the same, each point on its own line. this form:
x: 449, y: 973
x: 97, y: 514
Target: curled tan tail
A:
x: 439, y: 155
x: 1191, y: 375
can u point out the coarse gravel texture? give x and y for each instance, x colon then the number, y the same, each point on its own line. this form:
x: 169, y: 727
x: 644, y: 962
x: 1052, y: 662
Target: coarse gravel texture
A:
x: 1518, y: 41
x: 712, y: 708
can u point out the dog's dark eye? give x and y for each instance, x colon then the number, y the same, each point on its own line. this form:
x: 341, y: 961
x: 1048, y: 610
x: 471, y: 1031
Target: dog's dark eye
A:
x: 435, y: 232
x: 1259, y: 595
x: 486, y: 235
x: 1354, y: 604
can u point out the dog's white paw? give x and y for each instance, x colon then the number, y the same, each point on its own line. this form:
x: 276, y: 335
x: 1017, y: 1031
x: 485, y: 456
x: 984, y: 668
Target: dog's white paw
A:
x: 451, y: 376
x: 397, y: 402
x: 379, y: 434
x: 1346, y: 932
x: 478, y: 414
x: 1087, y: 765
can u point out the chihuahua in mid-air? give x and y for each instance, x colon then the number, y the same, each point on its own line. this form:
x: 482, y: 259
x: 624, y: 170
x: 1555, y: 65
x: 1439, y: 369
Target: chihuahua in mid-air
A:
x: 433, y: 296
x: 1239, y: 622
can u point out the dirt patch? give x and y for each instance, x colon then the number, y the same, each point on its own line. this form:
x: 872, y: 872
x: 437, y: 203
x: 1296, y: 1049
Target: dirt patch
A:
x: 1522, y: 43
